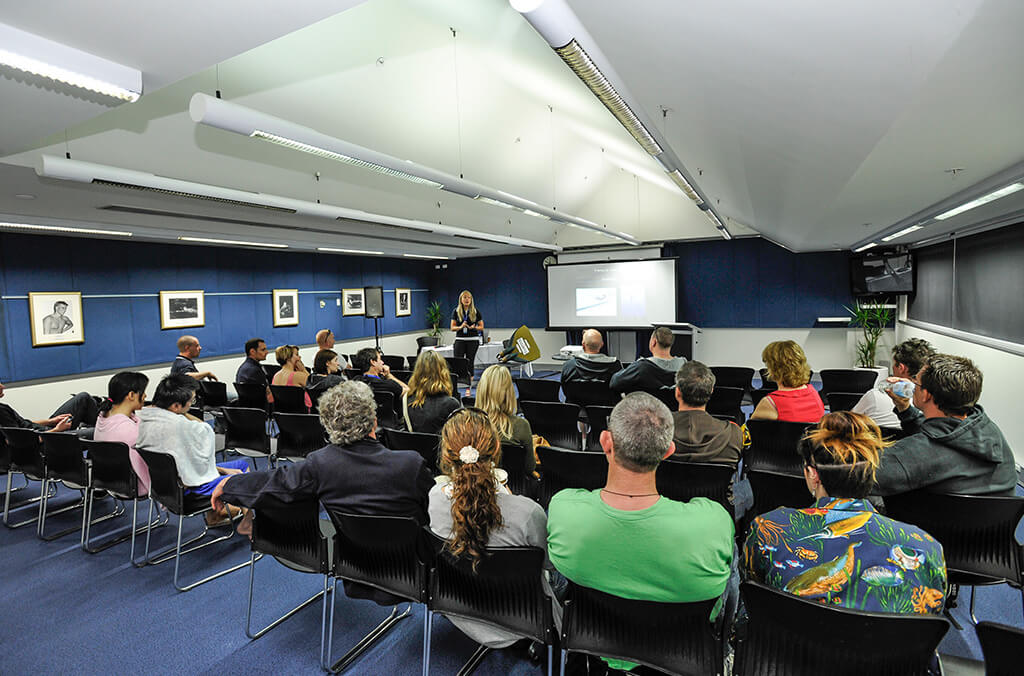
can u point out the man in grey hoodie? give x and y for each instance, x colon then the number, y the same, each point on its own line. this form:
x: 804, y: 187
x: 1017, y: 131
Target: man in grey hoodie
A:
x: 952, y: 446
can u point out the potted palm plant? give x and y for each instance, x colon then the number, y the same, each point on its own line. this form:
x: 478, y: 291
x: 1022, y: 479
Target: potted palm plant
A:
x: 434, y: 319
x: 871, y: 319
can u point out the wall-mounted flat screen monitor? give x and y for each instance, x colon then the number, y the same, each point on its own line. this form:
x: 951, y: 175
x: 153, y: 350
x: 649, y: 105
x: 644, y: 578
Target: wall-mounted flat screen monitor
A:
x: 878, y: 274
x: 612, y: 294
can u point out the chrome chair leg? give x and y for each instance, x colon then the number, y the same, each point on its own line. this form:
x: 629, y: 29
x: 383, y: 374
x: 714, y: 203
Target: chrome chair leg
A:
x: 248, y: 612
x: 474, y: 661
x: 376, y: 633
x: 428, y: 621
x: 561, y: 664
x: 24, y: 503
x: 551, y: 658
x: 179, y: 552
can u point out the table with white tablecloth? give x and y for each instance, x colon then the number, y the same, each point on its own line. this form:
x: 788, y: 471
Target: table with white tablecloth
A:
x: 487, y: 353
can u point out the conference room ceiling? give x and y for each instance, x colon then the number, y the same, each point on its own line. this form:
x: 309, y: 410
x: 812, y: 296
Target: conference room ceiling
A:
x: 815, y: 125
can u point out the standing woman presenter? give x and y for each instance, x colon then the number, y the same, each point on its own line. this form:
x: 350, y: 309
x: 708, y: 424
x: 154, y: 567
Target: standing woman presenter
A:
x: 467, y: 323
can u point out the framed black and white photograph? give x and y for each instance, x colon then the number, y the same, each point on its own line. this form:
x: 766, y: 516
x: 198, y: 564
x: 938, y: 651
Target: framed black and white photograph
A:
x: 286, y: 307
x: 403, y: 302
x: 56, y: 318
x: 352, y: 302
x: 181, y: 309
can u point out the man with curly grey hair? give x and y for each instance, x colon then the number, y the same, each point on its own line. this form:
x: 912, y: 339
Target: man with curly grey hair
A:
x: 627, y: 540
x: 355, y: 473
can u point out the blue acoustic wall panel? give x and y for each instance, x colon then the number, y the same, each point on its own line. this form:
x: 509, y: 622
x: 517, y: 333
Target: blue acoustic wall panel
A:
x: 508, y: 290
x: 120, y: 282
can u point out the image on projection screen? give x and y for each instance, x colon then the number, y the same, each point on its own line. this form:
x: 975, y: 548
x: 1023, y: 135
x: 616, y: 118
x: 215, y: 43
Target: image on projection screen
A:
x: 612, y: 293
x: 595, y: 302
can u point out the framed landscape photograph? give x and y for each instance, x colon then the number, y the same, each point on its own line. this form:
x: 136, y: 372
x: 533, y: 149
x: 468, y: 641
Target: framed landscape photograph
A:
x: 352, y: 302
x: 56, y: 318
x: 286, y: 307
x: 182, y: 309
x: 403, y: 302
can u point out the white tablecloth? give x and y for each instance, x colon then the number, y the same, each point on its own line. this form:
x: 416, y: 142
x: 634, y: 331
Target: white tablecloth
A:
x: 487, y: 353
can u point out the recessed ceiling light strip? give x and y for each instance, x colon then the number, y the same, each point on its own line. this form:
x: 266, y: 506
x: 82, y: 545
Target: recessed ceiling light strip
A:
x: 63, y: 228
x: 901, y: 233
x: 328, y: 249
x: 233, y: 242
x: 984, y: 199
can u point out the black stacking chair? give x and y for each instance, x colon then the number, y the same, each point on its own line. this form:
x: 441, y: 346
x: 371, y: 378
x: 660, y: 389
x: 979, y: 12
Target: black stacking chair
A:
x: 726, y: 401
x: 270, y: 370
x: 352, y: 374
x: 892, y: 433
x: 299, y: 435
x: 561, y: 468
x: 251, y: 396
x: 422, y: 342
x: 856, y: 381
x: 404, y: 376
x: 291, y: 533
x: 773, y: 445
x: 459, y: 368
x: 766, y: 382
x: 427, y: 445
x: 789, y: 635
x: 167, y: 489
x: 455, y: 381
x: 734, y: 376
x: 394, y: 362
x: 757, y: 395
x: 505, y: 591
x: 468, y: 401
x: 215, y: 394
x: 537, y: 389
x: 246, y: 433
x: 26, y: 449
x: 842, y: 401
x: 66, y: 464
x: 555, y: 421
x: 667, y: 396
x: 676, y: 638
x: 1002, y: 647
x: 586, y: 393
x: 679, y: 480
x: 5, y: 468
x: 386, y: 415
x: 112, y: 472
x: 597, y: 422
x: 289, y: 399
x: 976, y: 532
x: 411, y: 361
x: 774, y: 489
x: 390, y: 554
x: 513, y: 461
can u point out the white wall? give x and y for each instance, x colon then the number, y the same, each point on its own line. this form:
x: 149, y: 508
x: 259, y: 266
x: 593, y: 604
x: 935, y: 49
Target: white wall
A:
x: 1001, y: 391
x: 825, y: 347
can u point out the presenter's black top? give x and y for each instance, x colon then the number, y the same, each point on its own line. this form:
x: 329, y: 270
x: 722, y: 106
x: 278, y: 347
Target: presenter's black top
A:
x: 470, y: 332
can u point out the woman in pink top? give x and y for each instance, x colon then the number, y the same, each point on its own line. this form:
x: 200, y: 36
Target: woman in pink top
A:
x: 292, y: 370
x: 126, y: 393
x: 795, y: 400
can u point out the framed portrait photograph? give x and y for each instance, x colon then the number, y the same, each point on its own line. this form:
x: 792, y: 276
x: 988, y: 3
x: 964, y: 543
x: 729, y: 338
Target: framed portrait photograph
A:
x: 352, y: 302
x: 286, y: 307
x: 182, y: 309
x: 56, y: 318
x: 403, y: 302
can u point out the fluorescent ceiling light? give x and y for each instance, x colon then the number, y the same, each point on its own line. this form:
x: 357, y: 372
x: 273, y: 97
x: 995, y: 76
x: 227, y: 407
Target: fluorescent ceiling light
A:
x: 904, y: 231
x: 62, y: 228
x: 984, y: 199
x: 350, y: 251
x: 51, y: 166
x: 39, y: 56
x: 684, y: 185
x: 232, y: 117
x: 442, y: 258
x: 535, y: 214
x: 865, y: 247
x: 209, y: 240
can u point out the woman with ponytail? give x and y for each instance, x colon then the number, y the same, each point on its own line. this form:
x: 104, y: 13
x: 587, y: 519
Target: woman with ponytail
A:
x: 126, y: 392
x: 472, y: 509
x: 839, y: 550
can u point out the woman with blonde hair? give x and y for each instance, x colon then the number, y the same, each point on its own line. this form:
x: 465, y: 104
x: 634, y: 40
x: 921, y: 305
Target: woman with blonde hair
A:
x: 472, y: 510
x: 292, y: 370
x: 839, y: 550
x: 467, y: 323
x: 496, y: 396
x: 428, y: 402
x: 795, y: 400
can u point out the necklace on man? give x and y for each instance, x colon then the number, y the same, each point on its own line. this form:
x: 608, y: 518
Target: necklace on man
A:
x: 627, y: 495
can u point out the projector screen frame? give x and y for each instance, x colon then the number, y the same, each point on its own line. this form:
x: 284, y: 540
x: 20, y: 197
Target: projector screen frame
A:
x: 597, y: 325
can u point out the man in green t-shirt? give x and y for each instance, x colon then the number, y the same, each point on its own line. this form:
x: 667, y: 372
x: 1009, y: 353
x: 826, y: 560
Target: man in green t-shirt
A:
x: 625, y: 539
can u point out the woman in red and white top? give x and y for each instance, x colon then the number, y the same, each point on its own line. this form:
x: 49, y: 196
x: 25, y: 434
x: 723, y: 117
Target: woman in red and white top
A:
x: 795, y: 400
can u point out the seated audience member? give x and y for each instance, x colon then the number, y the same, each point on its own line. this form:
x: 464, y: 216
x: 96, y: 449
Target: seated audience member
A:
x: 325, y: 339
x: 167, y: 427
x: 470, y: 509
x: 907, y: 359
x: 326, y: 374
x: 251, y: 371
x: 377, y: 375
x: 428, y: 402
x: 591, y: 365
x: 698, y: 435
x: 81, y: 409
x: 839, y: 550
x: 796, y: 400
x: 293, y: 373
x: 952, y: 446
x: 625, y: 539
x: 650, y: 374
x: 496, y: 396
x: 126, y: 393
x: 188, y: 351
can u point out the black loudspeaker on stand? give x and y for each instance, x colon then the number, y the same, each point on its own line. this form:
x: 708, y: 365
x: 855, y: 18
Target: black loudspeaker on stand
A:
x: 373, y: 301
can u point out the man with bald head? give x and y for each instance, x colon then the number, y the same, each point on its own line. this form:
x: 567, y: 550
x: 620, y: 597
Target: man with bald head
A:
x: 188, y: 351
x: 325, y: 339
x: 592, y: 365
